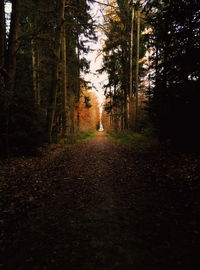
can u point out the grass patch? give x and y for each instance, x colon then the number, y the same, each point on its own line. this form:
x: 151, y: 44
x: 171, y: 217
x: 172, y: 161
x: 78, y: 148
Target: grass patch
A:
x: 138, y: 141
x: 77, y: 138
x: 88, y: 136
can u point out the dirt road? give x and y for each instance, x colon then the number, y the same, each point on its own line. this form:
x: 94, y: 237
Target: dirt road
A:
x: 110, y: 209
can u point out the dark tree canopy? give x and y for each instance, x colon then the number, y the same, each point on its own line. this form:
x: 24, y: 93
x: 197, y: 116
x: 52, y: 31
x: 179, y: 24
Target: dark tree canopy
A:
x: 150, y: 55
x: 175, y: 96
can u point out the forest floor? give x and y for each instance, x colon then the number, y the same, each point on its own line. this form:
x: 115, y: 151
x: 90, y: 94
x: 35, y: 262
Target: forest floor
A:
x: 101, y: 206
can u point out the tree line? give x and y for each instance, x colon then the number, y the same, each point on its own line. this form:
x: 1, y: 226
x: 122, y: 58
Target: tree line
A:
x: 150, y: 54
x: 42, y: 51
x: 151, y: 57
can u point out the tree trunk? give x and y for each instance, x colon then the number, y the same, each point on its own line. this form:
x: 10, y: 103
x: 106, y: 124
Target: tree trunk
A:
x: 2, y: 34
x: 125, y: 90
x: 78, y: 81
x: 131, y: 53
x: 72, y: 118
x: 137, y: 70
x: 125, y: 110
x: 12, y: 46
x: 10, y: 65
x: 35, y: 67
x: 156, y: 61
x: 78, y: 120
x: 64, y: 79
x: 68, y: 79
x: 55, y: 71
x: 131, y: 100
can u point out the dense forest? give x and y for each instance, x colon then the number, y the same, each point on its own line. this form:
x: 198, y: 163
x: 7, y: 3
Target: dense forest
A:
x: 41, y: 61
x: 150, y: 54
x: 99, y: 134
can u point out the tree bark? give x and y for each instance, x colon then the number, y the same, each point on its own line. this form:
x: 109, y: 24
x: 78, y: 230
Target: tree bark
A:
x: 131, y: 99
x: 12, y: 46
x: 35, y: 67
x: 137, y: 70
x: 64, y: 78
x: 10, y: 66
x: 55, y: 71
x: 2, y: 34
x: 78, y: 81
x: 131, y: 53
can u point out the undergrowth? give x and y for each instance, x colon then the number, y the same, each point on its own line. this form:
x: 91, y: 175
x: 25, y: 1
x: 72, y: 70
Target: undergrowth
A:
x: 77, y: 138
x: 138, y: 141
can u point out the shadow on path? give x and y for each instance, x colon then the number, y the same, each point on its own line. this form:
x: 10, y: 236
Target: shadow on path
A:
x: 111, y: 208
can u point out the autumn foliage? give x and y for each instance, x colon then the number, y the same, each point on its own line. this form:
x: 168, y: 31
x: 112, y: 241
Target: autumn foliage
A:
x: 87, y: 115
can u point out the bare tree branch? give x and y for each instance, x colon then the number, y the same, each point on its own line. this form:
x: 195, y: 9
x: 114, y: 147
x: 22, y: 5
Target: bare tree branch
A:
x: 108, y: 5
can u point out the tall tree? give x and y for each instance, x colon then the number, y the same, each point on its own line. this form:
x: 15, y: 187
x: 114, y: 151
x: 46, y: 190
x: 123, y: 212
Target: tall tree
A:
x: 55, y: 72
x: 121, y: 60
x: 175, y: 42
x: 43, y: 61
x: 8, y: 60
x: 2, y: 33
x: 11, y: 55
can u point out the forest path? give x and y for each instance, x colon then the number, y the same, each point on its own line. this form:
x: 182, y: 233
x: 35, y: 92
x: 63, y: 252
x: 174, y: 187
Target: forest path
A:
x: 110, y: 208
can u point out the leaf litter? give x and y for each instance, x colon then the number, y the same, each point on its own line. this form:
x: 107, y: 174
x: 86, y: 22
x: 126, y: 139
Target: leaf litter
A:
x: 100, y: 205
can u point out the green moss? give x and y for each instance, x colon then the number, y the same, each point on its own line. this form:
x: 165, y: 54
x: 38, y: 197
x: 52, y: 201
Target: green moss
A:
x: 138, y: 141
x: 77, y: 138
x: 87, y: 136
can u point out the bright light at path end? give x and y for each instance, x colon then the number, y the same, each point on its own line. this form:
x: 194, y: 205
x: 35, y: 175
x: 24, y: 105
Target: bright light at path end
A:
x: 8, y: 7
x: 95, y: 56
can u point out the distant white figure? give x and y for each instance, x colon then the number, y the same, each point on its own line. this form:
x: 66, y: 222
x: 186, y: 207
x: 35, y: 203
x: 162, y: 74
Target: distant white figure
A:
x: 101, y: 127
